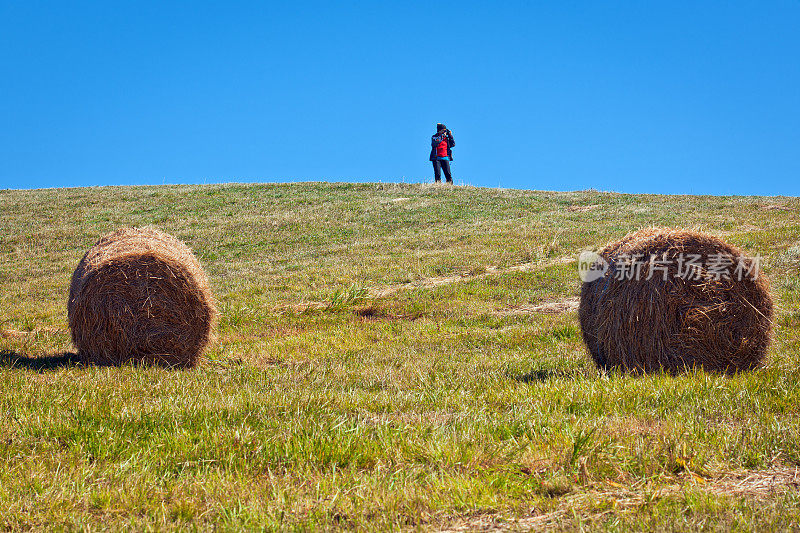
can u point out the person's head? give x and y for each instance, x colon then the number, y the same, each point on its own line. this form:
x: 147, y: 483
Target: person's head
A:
x: 440, y: 127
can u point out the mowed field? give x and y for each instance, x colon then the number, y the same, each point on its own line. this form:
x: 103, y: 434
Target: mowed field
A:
x: 388, y: 357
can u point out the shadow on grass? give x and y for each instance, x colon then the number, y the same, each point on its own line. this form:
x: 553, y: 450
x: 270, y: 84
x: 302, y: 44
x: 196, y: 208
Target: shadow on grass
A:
x: 11, y: 359
x: 540, y: 375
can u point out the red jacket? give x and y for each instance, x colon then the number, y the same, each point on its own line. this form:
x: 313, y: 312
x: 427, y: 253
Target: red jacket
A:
x: 442, y: 140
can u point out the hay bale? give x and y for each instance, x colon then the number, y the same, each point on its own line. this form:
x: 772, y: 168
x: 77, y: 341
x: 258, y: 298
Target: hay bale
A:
x: 140, y: 296
x: 680, y: 318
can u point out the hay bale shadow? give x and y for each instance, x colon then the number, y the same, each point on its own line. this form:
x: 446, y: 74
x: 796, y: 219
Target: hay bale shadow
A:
x: 541, y: 375
x: 10, y: 359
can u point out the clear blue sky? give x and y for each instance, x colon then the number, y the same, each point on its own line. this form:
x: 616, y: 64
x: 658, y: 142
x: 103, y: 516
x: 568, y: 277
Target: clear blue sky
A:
x: 672, y: 97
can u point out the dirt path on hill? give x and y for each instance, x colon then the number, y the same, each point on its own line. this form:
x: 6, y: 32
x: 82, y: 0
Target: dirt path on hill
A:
x: 432, y: 282
x: 19, y: 334
x: 554, y: 307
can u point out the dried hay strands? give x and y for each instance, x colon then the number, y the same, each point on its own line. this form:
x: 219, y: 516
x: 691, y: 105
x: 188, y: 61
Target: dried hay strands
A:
x: 140, y: 296
x: 670, y: 317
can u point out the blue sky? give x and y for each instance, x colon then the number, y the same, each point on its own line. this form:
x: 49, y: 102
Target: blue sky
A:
x: 666, y: 97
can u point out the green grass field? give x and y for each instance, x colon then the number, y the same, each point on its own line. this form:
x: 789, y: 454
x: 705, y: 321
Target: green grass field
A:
x: 388, y: 357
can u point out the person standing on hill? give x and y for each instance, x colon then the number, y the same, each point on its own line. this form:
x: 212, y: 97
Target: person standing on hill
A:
x: 442, y: 144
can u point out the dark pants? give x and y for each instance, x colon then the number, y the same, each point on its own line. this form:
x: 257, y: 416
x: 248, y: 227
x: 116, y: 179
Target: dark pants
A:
x: 438, y: 166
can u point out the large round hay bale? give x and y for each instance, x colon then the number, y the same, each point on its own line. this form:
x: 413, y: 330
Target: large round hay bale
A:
x: 695, y: 302
x: 140, y: 296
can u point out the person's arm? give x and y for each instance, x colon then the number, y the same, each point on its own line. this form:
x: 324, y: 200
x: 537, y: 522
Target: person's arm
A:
x: 450, y: 140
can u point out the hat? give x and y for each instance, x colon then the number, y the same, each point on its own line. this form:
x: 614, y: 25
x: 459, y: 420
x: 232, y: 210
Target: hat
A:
x: 440, y: 126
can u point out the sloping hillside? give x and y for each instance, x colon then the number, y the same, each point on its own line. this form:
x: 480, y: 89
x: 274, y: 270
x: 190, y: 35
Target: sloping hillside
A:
x: 388, y: 356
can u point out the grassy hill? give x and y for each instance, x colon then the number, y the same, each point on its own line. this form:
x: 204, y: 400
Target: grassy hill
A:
x: 388, y: 356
